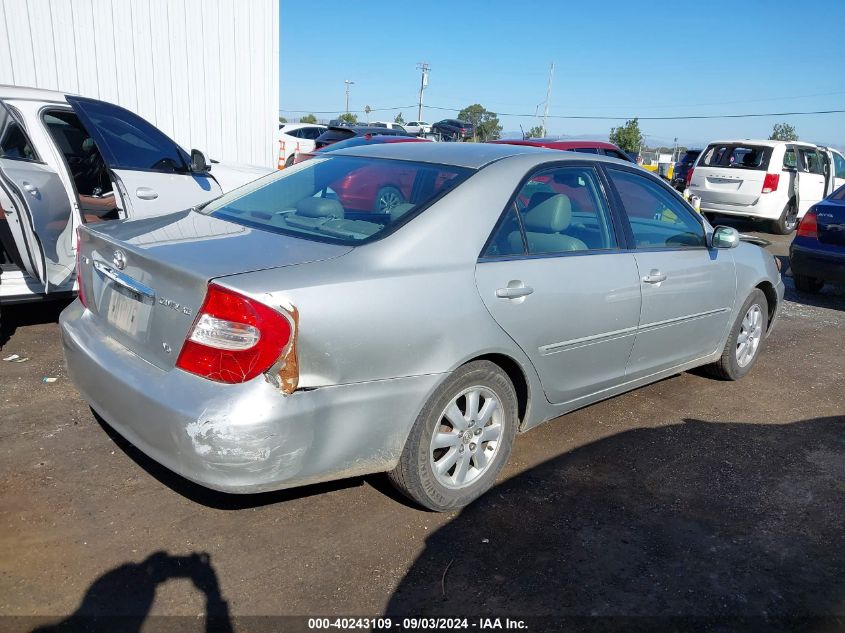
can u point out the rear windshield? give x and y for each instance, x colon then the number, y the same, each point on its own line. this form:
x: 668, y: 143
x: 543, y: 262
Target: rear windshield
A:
x: 737, y: 156
x: 689, y: 157
x: 340, y: 199
x: 332, y: 136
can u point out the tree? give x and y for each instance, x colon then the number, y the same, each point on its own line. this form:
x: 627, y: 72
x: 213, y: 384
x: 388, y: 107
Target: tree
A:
x: 627, y: 137
x: 308, y: 118
x: 282, y: 119
x: 535, y: 132
x: 399, y: 119
x: 348, y: 117
x: 783, y: 132
x: 486, y: 123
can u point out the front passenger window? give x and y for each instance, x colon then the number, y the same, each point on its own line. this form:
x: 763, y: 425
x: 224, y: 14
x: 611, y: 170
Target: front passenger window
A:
x: 657, y: 218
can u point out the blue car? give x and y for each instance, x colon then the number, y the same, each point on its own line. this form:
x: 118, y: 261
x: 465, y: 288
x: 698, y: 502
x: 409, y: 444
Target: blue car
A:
x: 817, y: 254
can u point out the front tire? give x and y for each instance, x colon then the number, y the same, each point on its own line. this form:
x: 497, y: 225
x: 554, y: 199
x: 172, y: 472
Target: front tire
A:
x: 807, y: 284
x: 788, y: 220
x: 461, y: 439
x: 745, y: 340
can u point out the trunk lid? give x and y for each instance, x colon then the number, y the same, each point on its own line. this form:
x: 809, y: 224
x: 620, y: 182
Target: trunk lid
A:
x: 830, y: 221
x: 145, y: 280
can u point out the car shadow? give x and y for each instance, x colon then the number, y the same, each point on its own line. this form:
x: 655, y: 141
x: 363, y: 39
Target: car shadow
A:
x: 696, y: 526
x: 120, y: 599
x: 214, y: 498
x: 24, y: 314
x: 831, y: 296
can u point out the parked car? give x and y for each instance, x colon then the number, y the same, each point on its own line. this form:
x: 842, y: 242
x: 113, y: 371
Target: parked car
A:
x: 357, y: 141
x: 683, y: 169
x: 817, y: 253
x: 296, y: 138
x: 67, y: 160
x: 583, y: 147
x: 453, y: 129
x: 418, y: 127
x: 767, y: 180
x: 340, y: 133
x: 278, y: 338
x: 389, y: 125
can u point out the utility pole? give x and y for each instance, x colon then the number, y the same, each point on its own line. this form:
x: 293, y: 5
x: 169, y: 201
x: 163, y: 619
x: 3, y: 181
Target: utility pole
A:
x: 424, y: 68
x: 348, y: 83
x: 548, y: 96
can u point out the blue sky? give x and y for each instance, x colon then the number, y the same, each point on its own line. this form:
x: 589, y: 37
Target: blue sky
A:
x: 611, y: 59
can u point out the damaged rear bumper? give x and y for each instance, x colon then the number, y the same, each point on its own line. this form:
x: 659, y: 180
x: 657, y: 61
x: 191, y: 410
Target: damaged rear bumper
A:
x: 242, y: 438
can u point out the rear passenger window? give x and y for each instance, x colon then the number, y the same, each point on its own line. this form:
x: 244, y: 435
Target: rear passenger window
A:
x: 790, y: 161
x: 507, y: 237
x: 657, y: 218
x: 561, y: 210
x: 14, y: 143
x: 812, y: 161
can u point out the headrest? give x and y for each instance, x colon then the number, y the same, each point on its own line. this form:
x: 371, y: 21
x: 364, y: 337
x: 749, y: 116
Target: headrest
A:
x: 569, y: 177
x: 551, y: 215
x: 319, y: 208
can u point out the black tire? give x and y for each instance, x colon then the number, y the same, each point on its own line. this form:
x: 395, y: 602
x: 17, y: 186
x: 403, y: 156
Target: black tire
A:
x: 290, y: 160
x: 788, y: 220
x: 807, y: 284
x: 387, y: 198
x: 414, y: 475
x: 728, y: 367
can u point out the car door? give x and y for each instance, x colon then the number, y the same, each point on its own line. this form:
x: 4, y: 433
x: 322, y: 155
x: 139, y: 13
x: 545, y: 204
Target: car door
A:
x: 837, y: 169
x: 810, y: 178
x: 152, y: 172
x: 555, y: 279
x: 36, y: 208
x: 688, y: 289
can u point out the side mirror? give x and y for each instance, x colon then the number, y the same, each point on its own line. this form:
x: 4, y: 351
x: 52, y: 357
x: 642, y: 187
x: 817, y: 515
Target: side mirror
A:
x: 200, y: 163
x: 724, y: 237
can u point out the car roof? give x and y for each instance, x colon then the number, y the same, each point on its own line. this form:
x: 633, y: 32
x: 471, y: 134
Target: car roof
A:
x: 32, y: 94
x: 471, y: 155
x: 558, y: 144
x: 296, y: 126
x: 764, y: 142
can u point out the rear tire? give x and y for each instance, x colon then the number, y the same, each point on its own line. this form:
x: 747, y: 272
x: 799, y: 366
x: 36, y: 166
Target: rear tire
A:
x: 290, y: 160
x: 788, y: 220
x: 742, y: 348
x: 461, y: 439
x: 807, y: 284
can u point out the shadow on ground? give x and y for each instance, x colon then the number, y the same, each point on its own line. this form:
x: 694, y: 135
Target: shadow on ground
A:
x: 697, y: 520
x: 25, y: 314
x: 120, y: 600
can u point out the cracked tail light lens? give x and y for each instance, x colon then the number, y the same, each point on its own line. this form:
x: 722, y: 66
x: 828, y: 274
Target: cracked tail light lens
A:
x: 234, y: 338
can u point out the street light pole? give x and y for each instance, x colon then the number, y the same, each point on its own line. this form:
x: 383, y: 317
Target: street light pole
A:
x: 348, y: 83
x: 423, y: 67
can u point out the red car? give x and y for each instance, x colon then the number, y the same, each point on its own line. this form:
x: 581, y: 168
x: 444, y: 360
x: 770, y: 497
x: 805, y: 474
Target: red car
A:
x: 586, y: 147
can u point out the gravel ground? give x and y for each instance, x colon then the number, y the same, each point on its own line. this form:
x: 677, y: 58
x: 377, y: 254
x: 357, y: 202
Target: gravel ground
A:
x: 689, y: 497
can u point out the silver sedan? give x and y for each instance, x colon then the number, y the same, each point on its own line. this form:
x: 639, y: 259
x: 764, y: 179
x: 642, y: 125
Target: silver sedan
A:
x: 300, y: 329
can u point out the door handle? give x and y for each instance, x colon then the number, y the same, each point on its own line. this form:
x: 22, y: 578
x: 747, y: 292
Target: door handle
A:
x: 29, y: 188
x: 654, y: 277
x: 145, y: 193
x: 514, y: 290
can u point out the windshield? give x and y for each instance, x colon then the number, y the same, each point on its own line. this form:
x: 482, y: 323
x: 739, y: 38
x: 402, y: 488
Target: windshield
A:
x: 340, y: 199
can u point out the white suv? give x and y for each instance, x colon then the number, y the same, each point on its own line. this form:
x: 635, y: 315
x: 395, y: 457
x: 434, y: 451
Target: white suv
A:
x: 770, y: 180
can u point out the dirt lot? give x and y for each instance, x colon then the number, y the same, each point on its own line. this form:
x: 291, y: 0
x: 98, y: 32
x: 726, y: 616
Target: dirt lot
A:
x: 690, y: 497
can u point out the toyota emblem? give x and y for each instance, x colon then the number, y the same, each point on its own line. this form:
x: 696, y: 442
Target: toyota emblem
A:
x: 119, y: 259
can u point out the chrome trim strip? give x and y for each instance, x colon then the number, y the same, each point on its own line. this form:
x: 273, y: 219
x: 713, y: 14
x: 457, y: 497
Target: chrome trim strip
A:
x: 146, y: 293
x: 691, y: 317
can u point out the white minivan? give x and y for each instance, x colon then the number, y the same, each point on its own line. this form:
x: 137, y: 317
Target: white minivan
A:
x: 768, y: 180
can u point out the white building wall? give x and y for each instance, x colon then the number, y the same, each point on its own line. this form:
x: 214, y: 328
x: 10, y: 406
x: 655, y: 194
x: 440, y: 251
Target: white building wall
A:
x: 204, y: 71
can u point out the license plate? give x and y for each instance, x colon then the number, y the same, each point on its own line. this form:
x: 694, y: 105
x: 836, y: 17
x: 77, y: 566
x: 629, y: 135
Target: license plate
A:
x: 127, y: 312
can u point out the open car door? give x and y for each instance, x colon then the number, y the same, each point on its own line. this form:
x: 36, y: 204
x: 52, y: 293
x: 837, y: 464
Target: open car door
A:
x: 151, y: 171
x: 40, y: 222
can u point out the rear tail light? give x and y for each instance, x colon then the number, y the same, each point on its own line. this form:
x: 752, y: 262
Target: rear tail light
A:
x: 81, y: 291
x: 770, y: 183
x: 235, y: 338
x: 809, y: 226
x: 689, y: 176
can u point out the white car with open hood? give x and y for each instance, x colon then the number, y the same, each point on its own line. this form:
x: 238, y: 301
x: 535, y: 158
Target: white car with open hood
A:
x: 67, y: 160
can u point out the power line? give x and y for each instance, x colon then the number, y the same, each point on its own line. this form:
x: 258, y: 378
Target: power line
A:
x: 654, y: 118
x: 356, y: 111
